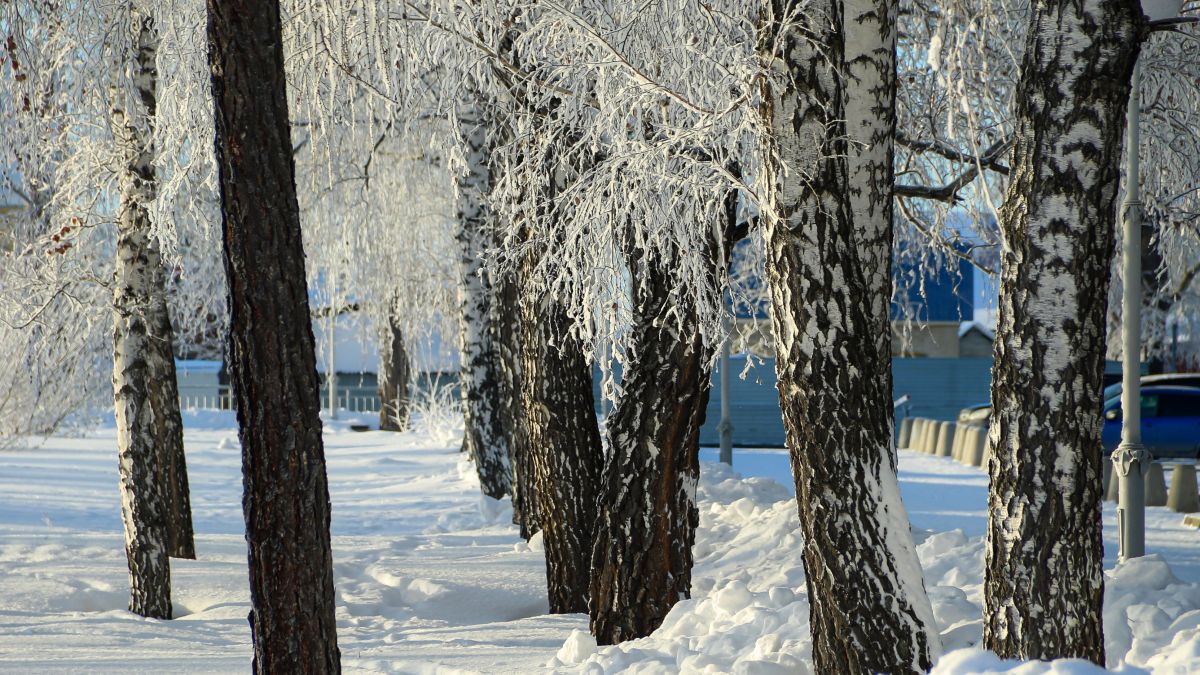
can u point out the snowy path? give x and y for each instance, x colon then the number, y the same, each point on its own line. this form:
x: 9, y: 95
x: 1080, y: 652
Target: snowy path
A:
x: 432, y: 578
x: 426, y: 571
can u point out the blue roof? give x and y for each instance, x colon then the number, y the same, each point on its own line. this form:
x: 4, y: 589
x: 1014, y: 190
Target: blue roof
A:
x: 939, y: 294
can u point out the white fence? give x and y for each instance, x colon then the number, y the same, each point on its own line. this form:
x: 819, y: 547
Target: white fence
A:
x: 208, y: 398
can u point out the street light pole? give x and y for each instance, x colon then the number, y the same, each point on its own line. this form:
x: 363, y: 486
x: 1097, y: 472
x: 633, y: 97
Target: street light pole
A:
x: 1131, y: 460
x: 725, y: 428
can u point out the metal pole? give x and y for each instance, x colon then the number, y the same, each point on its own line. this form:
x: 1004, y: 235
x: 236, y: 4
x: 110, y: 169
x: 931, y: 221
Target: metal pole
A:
x: 725, y: 428
x: 331, y: 376
x: 1131, y: 460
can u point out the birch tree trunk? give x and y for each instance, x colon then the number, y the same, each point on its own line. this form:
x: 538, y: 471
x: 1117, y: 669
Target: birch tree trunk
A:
x: 1044, y: 585
x: 869, y: 611
x: 141, y: 282
x: 163, y: 390
x: 642, y: 557
x: 481, y: 375
x: 272, y: 352
x: 153, y: 477
x: 395, y: 378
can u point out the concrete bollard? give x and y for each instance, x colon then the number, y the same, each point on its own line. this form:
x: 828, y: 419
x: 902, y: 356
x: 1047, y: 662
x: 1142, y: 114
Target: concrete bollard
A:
x: 1156, y: 486
x: 914, y: 433
x: 927, y: 426
x: 977, y: 447
x: 960, y: 435
x: 945, y: 439
x: 966, y: 454
x: 1114, y: 482
x: 931, y: 434
x: 914, y: 437
x: 1183, y: 496
x: 906, y: 426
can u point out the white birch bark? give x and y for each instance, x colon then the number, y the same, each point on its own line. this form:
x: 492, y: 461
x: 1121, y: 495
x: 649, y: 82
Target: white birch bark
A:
x: 144, y: 497
x: 1044, y: 584
x: 869, y: 611
x: 483, y: 430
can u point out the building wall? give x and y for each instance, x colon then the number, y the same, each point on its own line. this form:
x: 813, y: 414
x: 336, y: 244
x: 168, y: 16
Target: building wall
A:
x: 936, y: 339
x: 937, y: 387
x: 974, y: 344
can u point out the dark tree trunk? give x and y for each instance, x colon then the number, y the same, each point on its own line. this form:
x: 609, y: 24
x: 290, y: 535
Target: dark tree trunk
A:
x: 395, y: 378
x: 272, y: 357
x: 508, y: 323
x: 163, y: 392
x: 562, y: 456
x: 869, y: 612
x: 481, y: 377
x: 1044, y: 585
x: 564, y: 450
x: 642, y: 557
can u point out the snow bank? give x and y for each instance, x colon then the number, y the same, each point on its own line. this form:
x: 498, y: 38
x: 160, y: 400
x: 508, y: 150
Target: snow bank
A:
x: 749, y: 610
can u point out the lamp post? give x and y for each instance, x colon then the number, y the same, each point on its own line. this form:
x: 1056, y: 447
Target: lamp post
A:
x: 725, y: 428
x: 1130, y: 460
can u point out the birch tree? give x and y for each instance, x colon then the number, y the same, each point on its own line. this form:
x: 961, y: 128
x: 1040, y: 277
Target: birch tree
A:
x: 149, y: 426
x: 869, y: 615
x: 1057, y: 223
x: 99, y: 62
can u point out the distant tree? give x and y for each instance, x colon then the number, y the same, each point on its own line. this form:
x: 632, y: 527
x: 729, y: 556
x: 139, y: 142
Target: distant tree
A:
x: 395, y: 376
x: 482, y: 375
x: 272, y: 359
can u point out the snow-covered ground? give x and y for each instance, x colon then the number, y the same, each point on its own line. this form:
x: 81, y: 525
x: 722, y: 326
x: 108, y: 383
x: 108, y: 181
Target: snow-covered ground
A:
x: 432, y: 578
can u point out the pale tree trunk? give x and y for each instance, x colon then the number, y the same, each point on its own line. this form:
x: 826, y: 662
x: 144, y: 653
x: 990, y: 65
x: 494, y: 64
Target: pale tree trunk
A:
x: 482, y: 377
x: 146, y: 423
x: 869, y: 611
x: 141, y: 282
x: 1044, y: 585
x: 395, y: 378
x: 642, y: 557
x: 272, y: 353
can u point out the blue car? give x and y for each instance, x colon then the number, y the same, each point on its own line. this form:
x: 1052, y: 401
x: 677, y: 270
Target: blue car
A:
x: 1170, y: 422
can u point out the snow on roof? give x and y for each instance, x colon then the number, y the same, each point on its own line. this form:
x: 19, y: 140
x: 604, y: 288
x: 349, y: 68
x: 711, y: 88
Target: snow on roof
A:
x: 968, y: 326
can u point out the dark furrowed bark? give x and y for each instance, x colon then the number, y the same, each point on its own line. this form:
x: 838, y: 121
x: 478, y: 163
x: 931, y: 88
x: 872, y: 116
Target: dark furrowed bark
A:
x: 642, y: 557
x: 564, y: 450
x: 272, y: 355
x: 868, y: 612
x: 395, y: 378
x: 1044, y: 582
x: 163, y: 393
x: 509, y: 326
